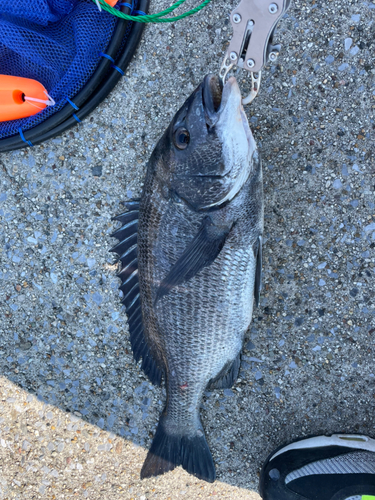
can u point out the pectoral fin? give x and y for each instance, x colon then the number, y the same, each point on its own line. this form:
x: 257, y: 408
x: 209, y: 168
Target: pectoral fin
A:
x: 200, y: 253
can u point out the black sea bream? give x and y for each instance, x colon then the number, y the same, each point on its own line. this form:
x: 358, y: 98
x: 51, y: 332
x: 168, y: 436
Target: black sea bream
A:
x: 191, y: 265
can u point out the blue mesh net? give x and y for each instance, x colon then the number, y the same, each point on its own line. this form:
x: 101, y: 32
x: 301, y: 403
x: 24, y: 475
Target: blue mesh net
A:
x: 57, y: 43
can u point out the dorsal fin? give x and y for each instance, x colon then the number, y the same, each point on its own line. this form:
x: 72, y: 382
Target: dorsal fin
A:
x: 126, y: 250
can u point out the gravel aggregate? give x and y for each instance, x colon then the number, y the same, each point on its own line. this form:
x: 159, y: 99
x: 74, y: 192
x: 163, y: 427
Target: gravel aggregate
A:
x: 76, y: 413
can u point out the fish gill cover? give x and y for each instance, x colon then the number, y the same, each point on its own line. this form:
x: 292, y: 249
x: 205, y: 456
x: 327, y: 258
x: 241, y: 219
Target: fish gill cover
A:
x: 56, y: 42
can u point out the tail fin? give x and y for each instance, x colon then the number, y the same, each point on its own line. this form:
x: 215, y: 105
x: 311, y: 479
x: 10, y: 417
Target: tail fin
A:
x: 168, y: 451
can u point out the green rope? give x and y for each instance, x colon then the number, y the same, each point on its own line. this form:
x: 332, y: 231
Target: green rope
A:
x: 154, y: 18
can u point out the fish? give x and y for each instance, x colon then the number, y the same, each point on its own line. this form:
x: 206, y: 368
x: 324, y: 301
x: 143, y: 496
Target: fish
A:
x: 191, y: 261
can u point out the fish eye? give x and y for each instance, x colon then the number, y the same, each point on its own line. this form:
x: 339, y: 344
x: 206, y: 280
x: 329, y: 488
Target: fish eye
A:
x: 181, y: 138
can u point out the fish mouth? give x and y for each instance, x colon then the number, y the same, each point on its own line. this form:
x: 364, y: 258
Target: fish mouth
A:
x: 224, y: 112
x: 216, y: 97
x: 212, y: 95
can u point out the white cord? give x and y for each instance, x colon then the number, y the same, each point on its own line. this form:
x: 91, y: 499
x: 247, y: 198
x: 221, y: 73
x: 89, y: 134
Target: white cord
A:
x: 48, y: 102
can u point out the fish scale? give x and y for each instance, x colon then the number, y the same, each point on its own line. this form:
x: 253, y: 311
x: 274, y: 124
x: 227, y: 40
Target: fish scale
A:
x: 199, y: 225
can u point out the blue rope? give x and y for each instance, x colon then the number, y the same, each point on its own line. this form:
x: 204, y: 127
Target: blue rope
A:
x: 132, y: 10
x: 112, y: 65
x: 72, y: 103
x: 75, y: 107
x: 107, y: 56
x: 118, y: 69
x: 23, y: 138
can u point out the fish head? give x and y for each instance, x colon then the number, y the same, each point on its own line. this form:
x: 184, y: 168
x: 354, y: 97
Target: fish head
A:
x: 207, y: 150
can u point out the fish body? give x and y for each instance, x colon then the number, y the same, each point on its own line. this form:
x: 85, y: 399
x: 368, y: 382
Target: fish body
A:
x: 198, y: 252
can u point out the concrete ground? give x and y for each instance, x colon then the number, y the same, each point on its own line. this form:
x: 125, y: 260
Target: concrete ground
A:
x: 76, y: 413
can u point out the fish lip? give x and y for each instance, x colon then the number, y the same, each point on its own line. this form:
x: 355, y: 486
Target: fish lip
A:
x: 231, y: 87
x: 231, y: 90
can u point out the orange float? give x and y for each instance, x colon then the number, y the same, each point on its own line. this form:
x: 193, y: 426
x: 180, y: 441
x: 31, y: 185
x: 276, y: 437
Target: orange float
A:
x: 21, y: 97
x: 112, y: 3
